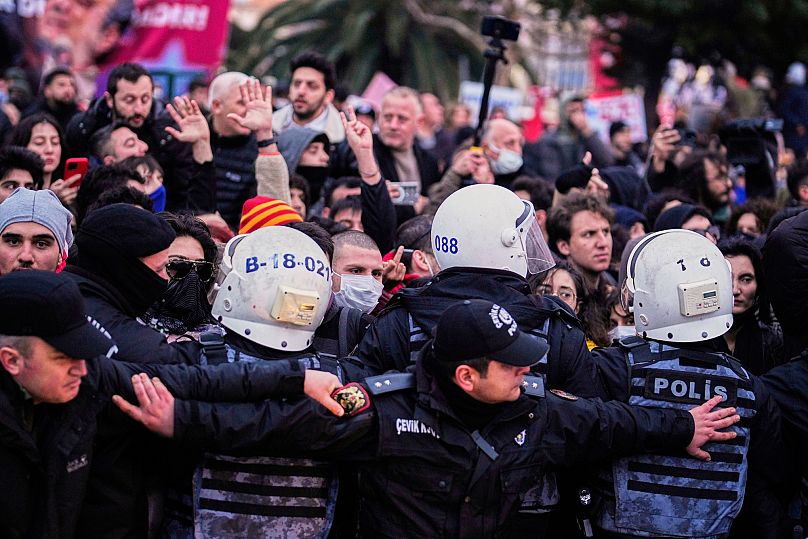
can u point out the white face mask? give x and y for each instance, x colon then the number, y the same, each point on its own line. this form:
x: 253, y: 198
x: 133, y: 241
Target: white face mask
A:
x: 358, y: 291
x: 618, y: 332
x: 508, y: 161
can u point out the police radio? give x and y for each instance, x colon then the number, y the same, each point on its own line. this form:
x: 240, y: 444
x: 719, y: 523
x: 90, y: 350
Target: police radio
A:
x: 698, y: 298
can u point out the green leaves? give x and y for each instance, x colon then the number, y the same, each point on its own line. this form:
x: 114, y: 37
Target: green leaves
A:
x: 402, y: 38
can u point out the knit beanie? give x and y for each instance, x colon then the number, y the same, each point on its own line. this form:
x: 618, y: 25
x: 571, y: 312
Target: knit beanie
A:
x: 41, y: 207
x: 676, y: 216
x: 259, y: 212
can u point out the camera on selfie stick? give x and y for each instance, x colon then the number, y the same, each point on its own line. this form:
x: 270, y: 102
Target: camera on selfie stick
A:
x: 498, y: 29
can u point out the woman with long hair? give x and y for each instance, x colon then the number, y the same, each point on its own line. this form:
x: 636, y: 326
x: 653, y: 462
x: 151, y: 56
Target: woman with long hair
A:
x: 751, y: 339
x: 42, y: 134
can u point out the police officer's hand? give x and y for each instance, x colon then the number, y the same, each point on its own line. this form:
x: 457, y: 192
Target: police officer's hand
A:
x: 319, y: 386
x: 708, y: 423
x: 156, y: 410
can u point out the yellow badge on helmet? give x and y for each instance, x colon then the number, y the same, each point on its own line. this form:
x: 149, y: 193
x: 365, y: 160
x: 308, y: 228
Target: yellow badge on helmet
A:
x: 352, y: 397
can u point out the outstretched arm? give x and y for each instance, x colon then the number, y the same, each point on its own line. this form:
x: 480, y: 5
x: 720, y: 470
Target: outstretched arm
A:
x: 155, y: 409
x: 587, y: 431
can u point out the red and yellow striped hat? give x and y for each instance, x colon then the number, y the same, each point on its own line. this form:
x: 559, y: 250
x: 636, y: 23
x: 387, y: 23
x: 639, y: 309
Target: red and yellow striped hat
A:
x: 259, y: 212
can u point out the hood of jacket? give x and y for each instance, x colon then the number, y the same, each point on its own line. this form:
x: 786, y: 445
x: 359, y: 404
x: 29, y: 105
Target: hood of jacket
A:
x: 293, y: 142
x: 427, y: 303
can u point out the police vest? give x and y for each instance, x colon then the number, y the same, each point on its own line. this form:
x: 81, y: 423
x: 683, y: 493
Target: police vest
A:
x: 673, y: 495
x: 263, y: 496
x: 544, y: 497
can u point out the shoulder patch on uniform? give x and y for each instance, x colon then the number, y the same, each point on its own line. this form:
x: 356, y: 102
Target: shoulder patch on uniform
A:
x: 563, y: 394
x: 386, y: 383
x: 352, y: 397
x: 533, y: 386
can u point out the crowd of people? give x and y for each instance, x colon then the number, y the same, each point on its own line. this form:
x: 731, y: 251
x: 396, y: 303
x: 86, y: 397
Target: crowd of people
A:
x: 564, y: 338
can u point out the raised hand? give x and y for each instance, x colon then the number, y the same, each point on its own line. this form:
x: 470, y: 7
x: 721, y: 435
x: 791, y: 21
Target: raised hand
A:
x: 708, y: 423
x: 193, y: 127
x: 156, y: 410
x: 393, y: 270
x: 258, y: 101
x: 358, y: 134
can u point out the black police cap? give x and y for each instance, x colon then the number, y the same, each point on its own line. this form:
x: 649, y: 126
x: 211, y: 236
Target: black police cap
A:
x: 48, y: 305
x: 477, y: 328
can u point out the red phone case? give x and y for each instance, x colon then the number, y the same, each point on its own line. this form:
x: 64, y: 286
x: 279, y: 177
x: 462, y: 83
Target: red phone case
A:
x: 76, y: 165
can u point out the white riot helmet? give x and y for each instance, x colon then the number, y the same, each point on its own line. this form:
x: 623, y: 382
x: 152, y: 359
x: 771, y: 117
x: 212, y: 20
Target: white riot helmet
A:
x: 682, y: 287
x: 277, y: 288
x: 488, y: 226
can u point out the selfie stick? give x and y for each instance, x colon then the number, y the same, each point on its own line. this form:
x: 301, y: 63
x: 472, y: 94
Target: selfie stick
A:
x: 494, y: 53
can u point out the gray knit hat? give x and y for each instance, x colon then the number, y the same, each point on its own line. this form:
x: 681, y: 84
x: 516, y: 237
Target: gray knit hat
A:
x: 41, y: 207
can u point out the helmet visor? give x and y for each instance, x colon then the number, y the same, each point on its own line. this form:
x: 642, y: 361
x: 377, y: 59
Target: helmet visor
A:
x: 539, y: 257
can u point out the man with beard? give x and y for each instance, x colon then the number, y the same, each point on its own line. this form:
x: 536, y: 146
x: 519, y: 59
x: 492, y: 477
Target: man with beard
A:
x: 311, y: 93
x: 129, y: 101
x: 34, y: 231
x: 704, y: 176
x: 58, y: 97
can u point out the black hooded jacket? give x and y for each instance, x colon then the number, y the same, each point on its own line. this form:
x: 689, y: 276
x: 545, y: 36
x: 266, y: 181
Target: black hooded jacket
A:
x: 136, y: 341
x: 175, y: 157
x: 386, y: 345
x: 785, y: 256
x: 46, y: 467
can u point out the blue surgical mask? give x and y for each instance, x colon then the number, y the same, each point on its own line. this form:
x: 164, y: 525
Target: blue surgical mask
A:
x: 508, y: 161
x: 158, y: 198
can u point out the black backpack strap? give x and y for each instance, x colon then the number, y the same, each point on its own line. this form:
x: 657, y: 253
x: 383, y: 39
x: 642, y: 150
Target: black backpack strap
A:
x: 349, y: 320
x: 638, y: 347
x: 213, y: 346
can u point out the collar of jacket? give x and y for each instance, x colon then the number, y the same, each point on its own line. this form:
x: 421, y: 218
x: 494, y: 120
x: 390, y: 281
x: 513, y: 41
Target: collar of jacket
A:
x: 434, y: 409
x: 92, y: 284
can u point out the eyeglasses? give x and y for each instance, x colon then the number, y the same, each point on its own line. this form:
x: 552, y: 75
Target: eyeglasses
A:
x: 565, y: 293
x: 713, y: 231
x: 179, y: 269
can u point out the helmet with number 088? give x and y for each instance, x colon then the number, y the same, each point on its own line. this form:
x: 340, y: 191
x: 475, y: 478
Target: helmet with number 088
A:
x: 488, y: 226
x: 277, y: 288
x: 682, y: 287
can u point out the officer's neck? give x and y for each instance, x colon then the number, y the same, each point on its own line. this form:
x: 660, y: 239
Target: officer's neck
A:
x: 473, y: 413
x: 254, y: 349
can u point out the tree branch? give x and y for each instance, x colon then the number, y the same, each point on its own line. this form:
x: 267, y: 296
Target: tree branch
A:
x: 445, y: 23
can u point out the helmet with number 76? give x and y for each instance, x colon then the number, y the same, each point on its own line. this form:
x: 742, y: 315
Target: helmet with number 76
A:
x: 488, y: 226
x: 682, y: 287
x: 277, y: 288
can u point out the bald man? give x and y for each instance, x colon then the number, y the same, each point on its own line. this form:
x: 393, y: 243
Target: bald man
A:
x: 503, y: 142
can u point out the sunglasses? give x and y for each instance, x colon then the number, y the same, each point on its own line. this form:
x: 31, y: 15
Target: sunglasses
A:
x: 179, y: 269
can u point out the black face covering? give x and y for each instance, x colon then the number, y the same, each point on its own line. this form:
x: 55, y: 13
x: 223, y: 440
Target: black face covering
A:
x: 111, y: 242
x: 316, y: 177
x: 183, y: 307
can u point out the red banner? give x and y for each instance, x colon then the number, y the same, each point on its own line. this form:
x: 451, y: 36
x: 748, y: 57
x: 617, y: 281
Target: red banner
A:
x: 176, y: 39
